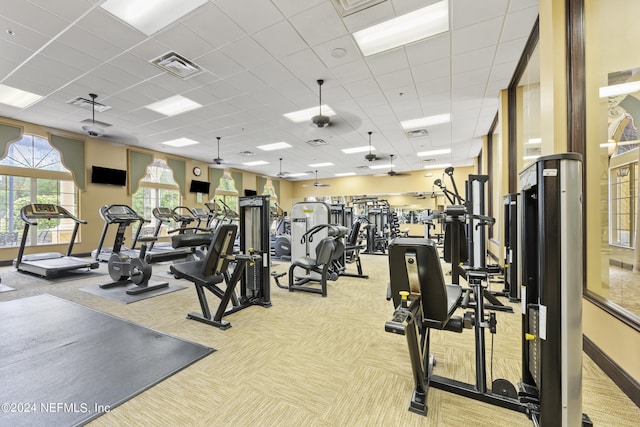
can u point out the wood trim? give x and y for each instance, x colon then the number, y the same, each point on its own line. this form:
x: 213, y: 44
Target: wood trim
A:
x: 619, y: 376
x: 613, y: 309
x: 512, y: 156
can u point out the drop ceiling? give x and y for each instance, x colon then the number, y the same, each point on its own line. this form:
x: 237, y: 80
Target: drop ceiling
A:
x: 261, y: 59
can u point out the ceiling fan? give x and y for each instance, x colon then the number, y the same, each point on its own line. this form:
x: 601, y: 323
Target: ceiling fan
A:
x: 320, y: 120
x: 281, y: 174
x: 92, y: 129
x: 370, y: 157
x: 391, y: 172
x: 316, y: 183
x: 218, y: 161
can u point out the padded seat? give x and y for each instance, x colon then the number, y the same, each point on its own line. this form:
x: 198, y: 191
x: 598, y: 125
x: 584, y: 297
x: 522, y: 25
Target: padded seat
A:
x: 414, y: 266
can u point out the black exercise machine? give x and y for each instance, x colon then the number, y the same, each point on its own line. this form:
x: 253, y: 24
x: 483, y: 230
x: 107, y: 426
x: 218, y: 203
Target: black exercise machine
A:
x: 49, y: 264
x: 125, y: 270
x: 552, y: 274
x: 122, y: 216
x: 250, y: 267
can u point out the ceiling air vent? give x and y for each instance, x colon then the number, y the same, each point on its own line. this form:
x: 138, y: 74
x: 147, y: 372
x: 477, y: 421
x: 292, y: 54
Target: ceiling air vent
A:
x: 88, y: 104
x: 417, y: 133
x: 427, y: 161
x: 177, y: 65
x: 317, y: 142
x: 247, y: 153
x: 348, y: 7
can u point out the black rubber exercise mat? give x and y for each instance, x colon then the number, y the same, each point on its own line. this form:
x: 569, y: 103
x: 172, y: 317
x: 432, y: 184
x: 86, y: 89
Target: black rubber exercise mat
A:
x: 64, y: 364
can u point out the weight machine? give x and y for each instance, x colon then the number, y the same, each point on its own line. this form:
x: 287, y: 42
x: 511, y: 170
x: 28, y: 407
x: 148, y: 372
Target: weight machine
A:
x: 250, y: 267
x: 552, y: 264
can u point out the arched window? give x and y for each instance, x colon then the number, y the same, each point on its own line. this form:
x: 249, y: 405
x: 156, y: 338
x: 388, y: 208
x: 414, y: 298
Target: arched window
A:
x: 157, y: 189
x: 270, y: 190
x: 32, y: 172
x: 227, y: 193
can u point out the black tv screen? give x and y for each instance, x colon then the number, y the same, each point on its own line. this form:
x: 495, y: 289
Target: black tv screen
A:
x: 250, y: 192
x: 199, y: 187
x: 100, y: 175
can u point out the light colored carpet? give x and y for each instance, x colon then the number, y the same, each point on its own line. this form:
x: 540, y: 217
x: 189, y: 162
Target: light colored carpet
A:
x: 313, y: 361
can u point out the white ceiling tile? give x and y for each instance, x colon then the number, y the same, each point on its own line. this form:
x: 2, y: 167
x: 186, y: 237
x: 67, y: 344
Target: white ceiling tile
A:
x: 247, y: 52
x: 519, y: 24
x: 474, y: 37
x: 213, y: 26
x: 435, y: 70
x: 117, y: 75
x: 280, y: 39
x: 180, y: 39
x: 396, y: 79
x: 522, y: 4
x: 352, y: 72
x: 251, y: 15
x: 428, y: 50
x: 272, y: 72
x: 293, y: 7
x: 386, y: 62
x: 134, y: 65
x: 221, y: 89
x: 244, y: 81
x: 306, y: 66
x: 62, y: 52
x: 68, y: 10
x: 481, y: 58
x: 104, y: 25
x: 503, y: 71
x: 24, y: 36
x: 325, y: 52
x: 362, y: 87
x: 89, y: 43
x: 510, y: 51
x: 219, y: 64
x: 39, y: 19
x: 469, y: 12
x: 319, y: 24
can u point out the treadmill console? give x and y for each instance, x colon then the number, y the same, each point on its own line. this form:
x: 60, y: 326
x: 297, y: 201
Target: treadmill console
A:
x: 119, y: 213
x: 44, y: 209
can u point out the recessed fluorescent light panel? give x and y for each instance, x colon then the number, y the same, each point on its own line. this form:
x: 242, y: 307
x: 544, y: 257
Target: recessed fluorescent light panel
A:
x: 530, y: 157
x: 256, y: 163
x: 534, y: 141
x: 344, y: 174
x: 426, y: 121
x: 362, y: 149
x: 321, y: 165
x: 620, y: 89
x: 180, y: 142
x: 381, y: 166
x: 305, y: 115
x: 404, y: 29
x: 440, y: 166
x: 17, y: 97
x: 150, y: 17
x: 274, y: 146
x: 294, y: 175
x: 434, y: 152
x: 174, y: 105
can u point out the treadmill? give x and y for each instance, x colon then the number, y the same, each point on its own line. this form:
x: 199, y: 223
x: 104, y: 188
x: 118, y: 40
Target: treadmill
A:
x: 123, y: 216
x: 49, y: 264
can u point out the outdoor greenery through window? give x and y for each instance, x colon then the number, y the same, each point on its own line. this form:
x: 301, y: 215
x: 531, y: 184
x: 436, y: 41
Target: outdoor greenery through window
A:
x: 227, y: 194
x: 157, y: 189
x: 32, y: 172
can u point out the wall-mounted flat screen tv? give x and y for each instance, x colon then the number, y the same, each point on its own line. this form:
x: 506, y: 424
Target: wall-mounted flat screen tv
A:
x: 100, y: 175
x: 250, y: 192
x: 199, y: 187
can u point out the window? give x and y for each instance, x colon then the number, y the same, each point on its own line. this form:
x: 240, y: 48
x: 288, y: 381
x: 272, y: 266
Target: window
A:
x: 622, y: 205
x: 34, y: 173
x: 269, y: 190
x: 227, y: 193
x: 157, y: 189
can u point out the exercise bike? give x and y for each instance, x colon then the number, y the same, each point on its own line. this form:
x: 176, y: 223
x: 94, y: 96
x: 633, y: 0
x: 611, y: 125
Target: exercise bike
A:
x: 125, y: 270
